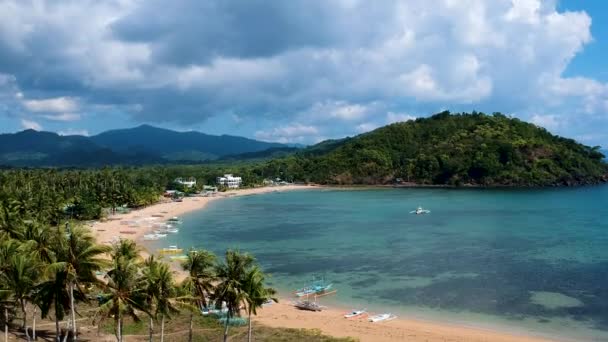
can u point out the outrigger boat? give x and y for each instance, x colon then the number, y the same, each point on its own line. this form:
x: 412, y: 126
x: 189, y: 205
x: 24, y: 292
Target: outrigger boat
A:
x: 356, y: 313
x: 308, y: 305
x: 382, y: 317
x: 317, y: 288
x: 170, y: 250
x: 180, y: 257
x: 174, y: 220
x: 420, y: 211
x: 151, y: 237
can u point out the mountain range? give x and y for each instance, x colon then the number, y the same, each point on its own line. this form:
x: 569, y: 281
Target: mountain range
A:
x: 144, y: 144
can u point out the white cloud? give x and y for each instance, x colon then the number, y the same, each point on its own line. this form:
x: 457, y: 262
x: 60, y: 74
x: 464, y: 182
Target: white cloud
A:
x: 549, y: 121
x: 71, y: 131
x: 55, y: 105
x: 291, y: 133
x: 62, y: 117
x: 29, y: 124
x: 392, y: 117
x: 366, y: 127
x: 503, y: 55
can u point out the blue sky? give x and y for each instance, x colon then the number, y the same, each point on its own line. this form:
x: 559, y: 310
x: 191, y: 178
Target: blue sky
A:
x: 301, y: 71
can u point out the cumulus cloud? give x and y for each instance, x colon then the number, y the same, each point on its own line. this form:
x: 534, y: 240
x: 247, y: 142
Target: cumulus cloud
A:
x: 62, y: 116
x: 550, y: 122
x: 303, y: 61
x: 59, y: 104
x: 72, y: 131
x: 291, y: 133
x: 29, y: 124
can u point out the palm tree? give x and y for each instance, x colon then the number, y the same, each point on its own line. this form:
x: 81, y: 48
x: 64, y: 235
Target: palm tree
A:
x: 79, y: 257
x: 124, y: 294
x: 231, y: 276
x: 165, y: 305
x: 150, y: 288
x: 53, y: 293
x: 160, y: 292
x: 20, y: 279
x: 199, y: 281
x: 257, y: 294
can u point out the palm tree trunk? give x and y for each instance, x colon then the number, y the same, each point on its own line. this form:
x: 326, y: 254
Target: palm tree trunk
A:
x: 73, y: 311
x: 162, y: 328
x: 151, y: 330
x: 34, y: 325
x: 23, y: 309
x: 226, y: 327
x: 68, y: 325
x: 119, y: 330
x: 249, y: 328
x: 190, y: 331
x: 57, y: 330
x: 5, y: 324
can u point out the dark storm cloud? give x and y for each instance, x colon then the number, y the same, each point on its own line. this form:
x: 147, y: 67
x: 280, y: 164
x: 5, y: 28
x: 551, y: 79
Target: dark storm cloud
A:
x: 195, y: 32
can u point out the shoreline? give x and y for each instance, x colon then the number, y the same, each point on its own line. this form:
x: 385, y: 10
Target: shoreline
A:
x: 135, y: 224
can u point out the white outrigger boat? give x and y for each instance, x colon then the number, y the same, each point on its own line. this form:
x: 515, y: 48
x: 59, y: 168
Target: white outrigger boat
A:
x: 356, y: 313
x: 382, y: 317
x: 174, y: 220
x: 151, y: 237
x: 420, y: 211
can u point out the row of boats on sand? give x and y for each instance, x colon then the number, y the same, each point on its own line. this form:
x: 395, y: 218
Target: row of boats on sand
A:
x: 170, y: 227
x: 320, y: 288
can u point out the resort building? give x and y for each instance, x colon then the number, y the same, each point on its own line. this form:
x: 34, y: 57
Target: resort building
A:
x: 230, y: 181
x: 190, y: 182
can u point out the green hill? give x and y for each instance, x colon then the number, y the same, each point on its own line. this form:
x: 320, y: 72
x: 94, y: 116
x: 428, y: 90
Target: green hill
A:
x: 446, y: 149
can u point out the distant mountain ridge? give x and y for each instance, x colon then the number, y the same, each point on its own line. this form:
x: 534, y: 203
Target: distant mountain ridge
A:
x: 144, y: 144
x: 172, y: 145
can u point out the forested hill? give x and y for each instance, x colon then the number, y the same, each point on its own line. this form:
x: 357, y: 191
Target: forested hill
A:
x: 448, y: 149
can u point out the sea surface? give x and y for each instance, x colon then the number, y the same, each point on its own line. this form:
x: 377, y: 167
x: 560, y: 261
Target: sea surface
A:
x: 533, y: 261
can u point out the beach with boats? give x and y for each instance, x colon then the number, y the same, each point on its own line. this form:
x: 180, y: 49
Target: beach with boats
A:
x: 312, y: 304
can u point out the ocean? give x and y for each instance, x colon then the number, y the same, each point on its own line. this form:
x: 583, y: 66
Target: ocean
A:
x: 532, y: 261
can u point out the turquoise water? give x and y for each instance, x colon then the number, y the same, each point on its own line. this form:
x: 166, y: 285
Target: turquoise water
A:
x: 535, y: 261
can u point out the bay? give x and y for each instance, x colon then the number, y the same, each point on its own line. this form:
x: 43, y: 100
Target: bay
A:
x: 528, y: 260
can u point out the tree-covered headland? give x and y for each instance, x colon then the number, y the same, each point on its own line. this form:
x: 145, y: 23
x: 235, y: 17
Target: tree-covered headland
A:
x: 448, y: 149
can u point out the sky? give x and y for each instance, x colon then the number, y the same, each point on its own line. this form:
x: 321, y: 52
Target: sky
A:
x: 301, y: 71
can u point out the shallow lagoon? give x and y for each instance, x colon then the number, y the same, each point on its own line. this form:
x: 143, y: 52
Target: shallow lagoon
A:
x: 532, y: 260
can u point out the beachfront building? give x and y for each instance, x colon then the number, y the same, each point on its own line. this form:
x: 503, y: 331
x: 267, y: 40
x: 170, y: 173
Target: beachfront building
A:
x: 229, y: 181
x: 190, y: 182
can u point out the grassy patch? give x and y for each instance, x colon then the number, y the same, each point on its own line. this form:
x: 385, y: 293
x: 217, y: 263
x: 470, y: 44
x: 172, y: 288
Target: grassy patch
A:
x: 209, y: 329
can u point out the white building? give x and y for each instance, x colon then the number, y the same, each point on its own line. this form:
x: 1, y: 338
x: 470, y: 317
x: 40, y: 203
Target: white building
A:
x: 190, y: 182
x: 230, y: 181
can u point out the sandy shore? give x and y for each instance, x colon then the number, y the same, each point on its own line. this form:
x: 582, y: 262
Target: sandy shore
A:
x: 135, y: 224
x: 332, y: 322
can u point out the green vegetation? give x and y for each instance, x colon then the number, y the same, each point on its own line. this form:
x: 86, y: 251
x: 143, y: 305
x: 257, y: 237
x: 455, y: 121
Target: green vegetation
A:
x: 50, y: 264
x: 445, y: 149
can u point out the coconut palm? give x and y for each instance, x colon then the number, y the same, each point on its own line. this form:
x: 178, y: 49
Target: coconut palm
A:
x: 199, y: 281
x: 257, y: 294
x: 165, y: 302
x: 20, y: 279
x: 151, y: 289
x: 79, y: 257
x: 231, y: 276
x: 124, y: 293
x: 53, y: 293
x: 159, y: 289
